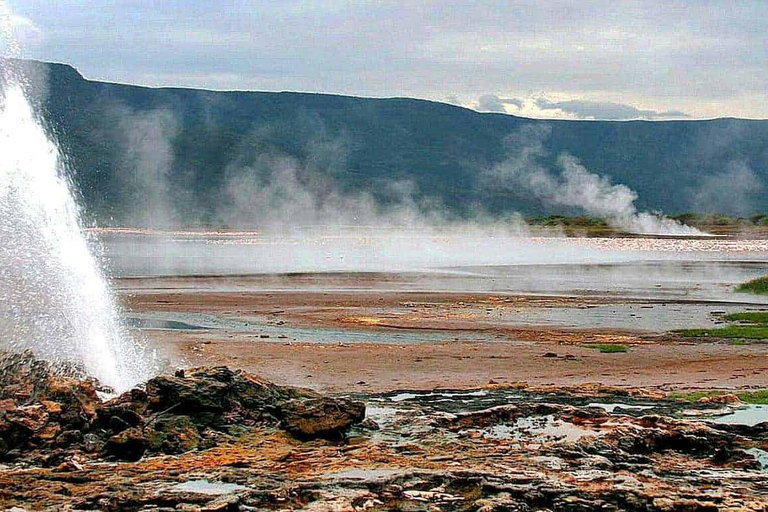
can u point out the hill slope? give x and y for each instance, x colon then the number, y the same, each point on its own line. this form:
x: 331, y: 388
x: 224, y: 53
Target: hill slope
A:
x: 131, y: 148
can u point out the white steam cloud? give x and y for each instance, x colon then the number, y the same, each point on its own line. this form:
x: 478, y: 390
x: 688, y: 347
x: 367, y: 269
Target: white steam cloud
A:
x: 147, y: 141
x: 574, y: 186
x: 733, y: 191
x: 261, y: 189
x: 282, y: 192
x: 268, y: 189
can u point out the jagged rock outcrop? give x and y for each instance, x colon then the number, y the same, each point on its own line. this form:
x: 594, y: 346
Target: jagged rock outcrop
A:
x: 172, y: 414
x: 320, y: 416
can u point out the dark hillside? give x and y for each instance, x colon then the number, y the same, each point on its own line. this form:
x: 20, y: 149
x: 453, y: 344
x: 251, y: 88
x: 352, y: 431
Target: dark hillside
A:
x: 366, y: 144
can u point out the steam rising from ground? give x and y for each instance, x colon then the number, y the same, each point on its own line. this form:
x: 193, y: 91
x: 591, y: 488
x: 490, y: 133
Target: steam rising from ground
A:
x: 574, y: 186
x: 148, y: 151
x: 731, y: 191
x: 281, y: 192
x: 265, y: 188
x: 260, y: 189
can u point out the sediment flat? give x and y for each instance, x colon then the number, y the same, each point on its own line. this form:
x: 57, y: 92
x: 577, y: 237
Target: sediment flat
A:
x: 375, y: 340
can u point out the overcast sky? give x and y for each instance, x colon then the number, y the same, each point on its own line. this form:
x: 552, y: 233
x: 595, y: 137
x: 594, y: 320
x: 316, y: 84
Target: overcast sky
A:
x: 606, y: 59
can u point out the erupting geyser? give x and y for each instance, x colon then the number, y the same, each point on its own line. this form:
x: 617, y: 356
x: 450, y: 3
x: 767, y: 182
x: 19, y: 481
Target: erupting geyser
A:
x: 54, y: 298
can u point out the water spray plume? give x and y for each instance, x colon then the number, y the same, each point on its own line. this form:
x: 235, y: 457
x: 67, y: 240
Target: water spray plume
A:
x: 9, y: 46
x: 54, y: 297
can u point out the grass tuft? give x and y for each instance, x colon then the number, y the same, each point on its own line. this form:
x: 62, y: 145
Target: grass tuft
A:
x: 752, y: 317
x: 610, y: 348
x: 756, y: 286
x: 752, y: 325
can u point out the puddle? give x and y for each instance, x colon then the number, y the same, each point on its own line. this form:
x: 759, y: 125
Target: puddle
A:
x: 611, y: 408
x: 363, y: 474
x: 152, y: 323
x: 761, y: 456
x: 381, y: 415
x: 651, y: 317
x: 401, y: 397
x: 207, y: 487
x: 540, y: 428
x: 266, y: 330
x: 750, y: 415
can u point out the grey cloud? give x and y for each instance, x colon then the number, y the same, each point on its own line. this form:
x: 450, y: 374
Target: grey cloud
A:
x: 490, y: 103
x: 513, y: 101
x: 493, y: 103
x: 605, y: 110
x: 640, y: 50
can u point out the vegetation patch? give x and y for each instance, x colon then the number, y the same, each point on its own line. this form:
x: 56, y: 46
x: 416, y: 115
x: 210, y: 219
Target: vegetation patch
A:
x: 747, y: 332
x: 562, y: 220
x: 757, y: 286
x: 704, y: 220
x: 758, y: 397
x: 752, y: 317
x: 748, y: 325
x: 610, y: 348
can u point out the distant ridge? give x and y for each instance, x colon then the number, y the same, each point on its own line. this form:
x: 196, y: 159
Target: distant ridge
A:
x: 367, y: 144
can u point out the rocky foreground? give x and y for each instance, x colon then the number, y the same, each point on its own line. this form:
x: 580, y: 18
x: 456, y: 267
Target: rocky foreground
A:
x: 219, y: 439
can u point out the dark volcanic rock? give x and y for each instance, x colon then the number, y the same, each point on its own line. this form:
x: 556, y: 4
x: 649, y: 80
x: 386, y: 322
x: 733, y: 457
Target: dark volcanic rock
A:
x: 122, y: 412
x: 43, y: 410
x: 70, y: 437
x: 219, y: 395
x: 15, y: 431
x: 501, y: 414
x: 439, y: 451
x: 170, y: 416
x: 75, y: 400
x: 173, y: 435
x: 20, y: 373
x: 321, y: 417
x: 661, y: 434
x: 128, y: 445
x: 39, y: 402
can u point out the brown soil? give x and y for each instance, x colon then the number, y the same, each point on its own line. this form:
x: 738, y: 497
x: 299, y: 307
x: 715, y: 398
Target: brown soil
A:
x: 489, y: 350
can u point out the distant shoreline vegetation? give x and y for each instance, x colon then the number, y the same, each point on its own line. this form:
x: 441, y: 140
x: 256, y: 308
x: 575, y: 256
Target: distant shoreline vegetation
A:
x: 691, y: 219
x: 577, y: 225
x: 709, y: 222
x: 717, y: 219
